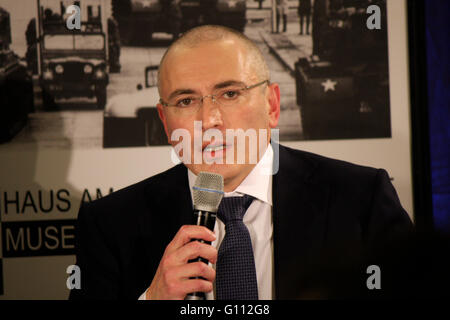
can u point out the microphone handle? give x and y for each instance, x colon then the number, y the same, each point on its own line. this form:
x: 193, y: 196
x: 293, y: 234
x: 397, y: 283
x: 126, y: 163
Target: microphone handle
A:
x: 207, y: 219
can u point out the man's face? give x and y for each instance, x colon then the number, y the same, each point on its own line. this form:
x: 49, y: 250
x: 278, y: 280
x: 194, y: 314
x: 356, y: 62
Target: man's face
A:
x: 200, y: 71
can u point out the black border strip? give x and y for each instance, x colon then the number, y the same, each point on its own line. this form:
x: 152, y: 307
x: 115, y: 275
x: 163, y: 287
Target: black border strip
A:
x: 420, y: 134
x: 1, y: 277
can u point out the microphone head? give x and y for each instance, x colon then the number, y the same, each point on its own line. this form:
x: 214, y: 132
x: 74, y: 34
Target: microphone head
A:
x: 208, y: 191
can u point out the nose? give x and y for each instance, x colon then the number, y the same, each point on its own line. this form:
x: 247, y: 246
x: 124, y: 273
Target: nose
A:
x: 211, y: 113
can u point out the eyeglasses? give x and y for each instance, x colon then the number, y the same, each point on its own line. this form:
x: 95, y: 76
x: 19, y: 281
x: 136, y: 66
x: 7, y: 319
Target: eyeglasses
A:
x: 228, y: 97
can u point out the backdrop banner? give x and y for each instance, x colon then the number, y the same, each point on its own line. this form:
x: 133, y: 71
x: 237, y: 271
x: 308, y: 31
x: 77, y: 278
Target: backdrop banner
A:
x: 79, y: 118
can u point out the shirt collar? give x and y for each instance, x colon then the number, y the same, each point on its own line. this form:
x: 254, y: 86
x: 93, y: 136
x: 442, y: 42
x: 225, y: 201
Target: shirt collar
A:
x: 257, y: 184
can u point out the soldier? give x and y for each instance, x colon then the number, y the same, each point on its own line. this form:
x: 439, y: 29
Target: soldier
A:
x: 282, y: 9
x: 52, y: 21
x: 31, y: 54
x: 259, y: 3
x: 113, y: 45
x: 209, y: 13
x: 172, y: 12
x: 319, y: 22
x: 5, y: 27
x: 304, y: 11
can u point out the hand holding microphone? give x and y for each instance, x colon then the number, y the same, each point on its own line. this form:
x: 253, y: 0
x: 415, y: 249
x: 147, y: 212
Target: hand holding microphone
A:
x: 208, y: 193
x: 178, y: 274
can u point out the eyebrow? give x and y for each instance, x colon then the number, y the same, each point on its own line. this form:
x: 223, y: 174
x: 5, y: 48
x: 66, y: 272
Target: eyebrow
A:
x: 219, y: 85
x: 228, y: 83
x: 179, y: 92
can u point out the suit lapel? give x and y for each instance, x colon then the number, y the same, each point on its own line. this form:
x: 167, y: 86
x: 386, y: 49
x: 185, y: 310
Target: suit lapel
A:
x: 299, y: 217
x: 299, y: 221
x: 168, y: 207
x: 180, y: 198
x: 174, y: 198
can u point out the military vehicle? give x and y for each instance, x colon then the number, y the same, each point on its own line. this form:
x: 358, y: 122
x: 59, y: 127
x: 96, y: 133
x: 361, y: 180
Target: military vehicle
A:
x: 140, y: 19
x: 73, y: 62
x: 343, y: 89
x: 16, y: 88
x: 131, y: 119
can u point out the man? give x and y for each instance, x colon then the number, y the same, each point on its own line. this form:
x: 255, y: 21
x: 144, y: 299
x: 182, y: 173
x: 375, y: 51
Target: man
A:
x: 321, y: 11
x: 208, y: 12
x: 259, y: 3
x: 171, y: 13
x: 304, y: 12
x: 282, y: 10
x: 113, y: 45
x: 136, y: 242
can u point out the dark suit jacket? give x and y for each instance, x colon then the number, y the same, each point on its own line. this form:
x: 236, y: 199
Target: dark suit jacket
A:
x: 325, y: 213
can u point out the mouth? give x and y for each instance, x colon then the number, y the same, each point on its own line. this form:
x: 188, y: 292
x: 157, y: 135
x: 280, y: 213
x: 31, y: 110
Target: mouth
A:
x: 214, y: 150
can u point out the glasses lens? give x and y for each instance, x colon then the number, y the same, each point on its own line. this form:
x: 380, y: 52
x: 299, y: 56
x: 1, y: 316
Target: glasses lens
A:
x: 184, y: 105
x: 184, y: 102
x: 231, y: 96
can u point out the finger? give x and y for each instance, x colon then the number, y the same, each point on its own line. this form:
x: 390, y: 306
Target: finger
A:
x: 189, y: 232
x: 197, y: 285
x: 195, y: 269
x: 195, y: 249
x: 179, y: 282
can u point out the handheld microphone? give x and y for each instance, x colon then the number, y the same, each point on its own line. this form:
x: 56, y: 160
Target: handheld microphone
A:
x: 207, y: 194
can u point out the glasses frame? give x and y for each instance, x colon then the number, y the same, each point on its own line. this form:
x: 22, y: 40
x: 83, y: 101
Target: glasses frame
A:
x: 213, y: 96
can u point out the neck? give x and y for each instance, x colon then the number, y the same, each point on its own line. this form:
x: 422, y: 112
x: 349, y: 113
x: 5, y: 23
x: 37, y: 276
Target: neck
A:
x: 230, y: 184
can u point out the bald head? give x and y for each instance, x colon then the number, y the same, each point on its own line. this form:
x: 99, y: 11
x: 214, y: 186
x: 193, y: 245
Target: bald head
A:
x: 210, y: 33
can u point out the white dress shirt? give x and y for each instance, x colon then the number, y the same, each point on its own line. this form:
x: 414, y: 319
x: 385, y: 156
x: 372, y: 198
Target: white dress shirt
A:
x: 257, y: 219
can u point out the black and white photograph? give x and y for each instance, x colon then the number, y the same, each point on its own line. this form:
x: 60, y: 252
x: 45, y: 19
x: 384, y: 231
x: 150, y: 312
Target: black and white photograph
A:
x: 79, y: 103
x: 95, y: 86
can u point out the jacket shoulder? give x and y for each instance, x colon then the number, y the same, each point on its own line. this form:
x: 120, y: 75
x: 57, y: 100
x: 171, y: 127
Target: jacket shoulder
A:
x: 325, y: 169
x: 135, y: 195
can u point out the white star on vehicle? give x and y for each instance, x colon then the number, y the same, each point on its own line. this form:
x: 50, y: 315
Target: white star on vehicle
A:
x: 329, y: 85
x: 232, y: 3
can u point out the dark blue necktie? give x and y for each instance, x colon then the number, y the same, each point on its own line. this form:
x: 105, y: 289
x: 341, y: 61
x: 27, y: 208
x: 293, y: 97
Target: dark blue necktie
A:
x: 235, y: 268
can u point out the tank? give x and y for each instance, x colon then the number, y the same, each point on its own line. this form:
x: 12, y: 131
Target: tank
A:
x: 139, y: 19
x: 16, y: 88
x: 343, y: 88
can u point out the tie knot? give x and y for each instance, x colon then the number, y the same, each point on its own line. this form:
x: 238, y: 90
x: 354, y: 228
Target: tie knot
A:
x: 233, y: 208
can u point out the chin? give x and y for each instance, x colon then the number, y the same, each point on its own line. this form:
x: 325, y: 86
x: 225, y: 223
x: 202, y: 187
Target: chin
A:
x: 225, y: 170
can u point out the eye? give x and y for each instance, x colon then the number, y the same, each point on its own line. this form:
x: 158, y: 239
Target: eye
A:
x: 230, y: 94
x: 185, y: 102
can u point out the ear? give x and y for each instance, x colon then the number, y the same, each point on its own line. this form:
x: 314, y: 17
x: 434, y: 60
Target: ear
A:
x: 163, y: 119
x: 274, y: 104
